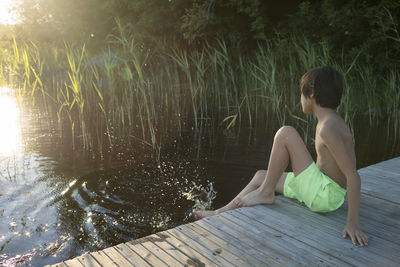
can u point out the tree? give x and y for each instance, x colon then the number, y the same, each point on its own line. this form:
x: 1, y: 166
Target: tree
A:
x: 150, y: 20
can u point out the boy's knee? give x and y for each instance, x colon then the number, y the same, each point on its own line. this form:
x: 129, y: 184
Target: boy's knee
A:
x: 258, y: 178
x: 285, y: 132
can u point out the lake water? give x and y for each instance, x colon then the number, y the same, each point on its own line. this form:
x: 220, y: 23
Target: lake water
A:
x: 54, y: 207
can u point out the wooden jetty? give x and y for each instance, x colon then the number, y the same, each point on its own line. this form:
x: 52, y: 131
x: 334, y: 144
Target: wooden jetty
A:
x: 284, y: 234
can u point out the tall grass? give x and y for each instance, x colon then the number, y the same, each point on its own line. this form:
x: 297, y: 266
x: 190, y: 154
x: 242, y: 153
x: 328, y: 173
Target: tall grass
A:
x: 137, y: 95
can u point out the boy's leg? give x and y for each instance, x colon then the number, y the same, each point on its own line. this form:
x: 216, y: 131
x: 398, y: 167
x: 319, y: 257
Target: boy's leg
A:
x: 254, y: 184
x: 288, y: 146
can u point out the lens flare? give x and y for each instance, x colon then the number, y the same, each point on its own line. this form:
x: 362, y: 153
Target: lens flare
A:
x: 6, y: 16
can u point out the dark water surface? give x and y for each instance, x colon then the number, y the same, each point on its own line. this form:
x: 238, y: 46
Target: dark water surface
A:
x: 53, y: 208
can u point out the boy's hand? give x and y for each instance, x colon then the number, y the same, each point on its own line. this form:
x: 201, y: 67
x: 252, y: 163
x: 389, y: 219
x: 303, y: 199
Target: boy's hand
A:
x: 352, y: 230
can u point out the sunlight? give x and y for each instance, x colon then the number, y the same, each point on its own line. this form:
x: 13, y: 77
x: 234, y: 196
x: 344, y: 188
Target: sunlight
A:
x: 10, y: 135
x: 6, y: 17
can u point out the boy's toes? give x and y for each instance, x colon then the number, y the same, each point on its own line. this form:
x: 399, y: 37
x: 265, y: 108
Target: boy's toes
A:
x: 238, y: 202
x: 200, y: 214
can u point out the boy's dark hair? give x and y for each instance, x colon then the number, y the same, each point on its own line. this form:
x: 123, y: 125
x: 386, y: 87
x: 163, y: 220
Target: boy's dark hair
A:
x: 326, y: 84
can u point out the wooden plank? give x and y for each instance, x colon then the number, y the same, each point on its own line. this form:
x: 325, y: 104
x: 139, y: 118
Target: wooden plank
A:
x: 194, y: 258
x: 252, y: 250
x: 334, y: 222
x: 102, y: 258
x: 374, y: 221
x: 254, y: 247
x: 60, y: 264
x: 73, y: 263
x: 380, y: 176
x: 266, y: 249
x: 147, y: 255
x: 190, y: 243
x: 380, y: 247
x: 390, y: 167
x: 392, y: 174
x: 223, y: 252
x: 374, y: 225
x: 129, y: 255
x: 289, y: 249
x: 314, y: 231
x: 391, y: 195
x: 246, y: 255
x: 88, y: 261
x: 380, y: 182
x: 385, y: 175
x: 205, y: 246
x: 377, y: 222
x: 117, y: 257
x: 172, y: 250
x: 294, y: 249
x: 376, y: 208
x: 304, y: 231
x: 382, y: 190
x: 161, y: 253
x: 252, y: 236
x: 391, y: 164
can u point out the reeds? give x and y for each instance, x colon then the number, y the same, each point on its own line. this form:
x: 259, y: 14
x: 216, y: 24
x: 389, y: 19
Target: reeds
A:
x: 151, y: 97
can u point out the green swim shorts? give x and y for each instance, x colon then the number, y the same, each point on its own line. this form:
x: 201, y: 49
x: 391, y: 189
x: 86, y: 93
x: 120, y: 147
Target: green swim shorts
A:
x: 319, y: 192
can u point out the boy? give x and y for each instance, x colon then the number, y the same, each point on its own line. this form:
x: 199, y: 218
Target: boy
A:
x: 321, y: 185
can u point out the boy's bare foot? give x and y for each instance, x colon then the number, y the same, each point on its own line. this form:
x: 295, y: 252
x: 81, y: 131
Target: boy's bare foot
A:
x: 199, y: 214
x: 256, y: 197
x: 238, y: 202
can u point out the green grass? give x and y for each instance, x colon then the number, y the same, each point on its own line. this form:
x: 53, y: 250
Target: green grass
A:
x: 152, y: 96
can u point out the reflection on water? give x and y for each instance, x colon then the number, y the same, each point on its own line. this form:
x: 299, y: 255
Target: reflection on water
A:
x: 10, y: 134
x: 51, y: 211
x: 54, y: 216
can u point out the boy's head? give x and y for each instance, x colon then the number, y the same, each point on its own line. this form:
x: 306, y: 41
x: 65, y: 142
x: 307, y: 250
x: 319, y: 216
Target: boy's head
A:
x: 324, y: 84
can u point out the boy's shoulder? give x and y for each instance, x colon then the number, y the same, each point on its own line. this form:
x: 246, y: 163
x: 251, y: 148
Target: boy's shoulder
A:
x: 334, y: 127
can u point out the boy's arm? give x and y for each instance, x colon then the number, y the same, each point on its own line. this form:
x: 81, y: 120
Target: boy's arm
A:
x: 345, y: 159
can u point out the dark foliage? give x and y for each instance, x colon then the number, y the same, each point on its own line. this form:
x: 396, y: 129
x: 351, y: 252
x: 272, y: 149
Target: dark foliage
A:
x: 366, y: 30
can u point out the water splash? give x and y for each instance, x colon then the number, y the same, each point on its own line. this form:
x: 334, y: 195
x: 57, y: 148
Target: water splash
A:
x: 203, y: 197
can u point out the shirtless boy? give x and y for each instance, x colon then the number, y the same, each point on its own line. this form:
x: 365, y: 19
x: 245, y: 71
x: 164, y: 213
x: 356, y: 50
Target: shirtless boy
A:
x: 322, y: 185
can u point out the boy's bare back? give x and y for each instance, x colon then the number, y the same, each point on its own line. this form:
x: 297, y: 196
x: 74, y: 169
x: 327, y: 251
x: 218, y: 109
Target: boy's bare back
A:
x: 333, y: 128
